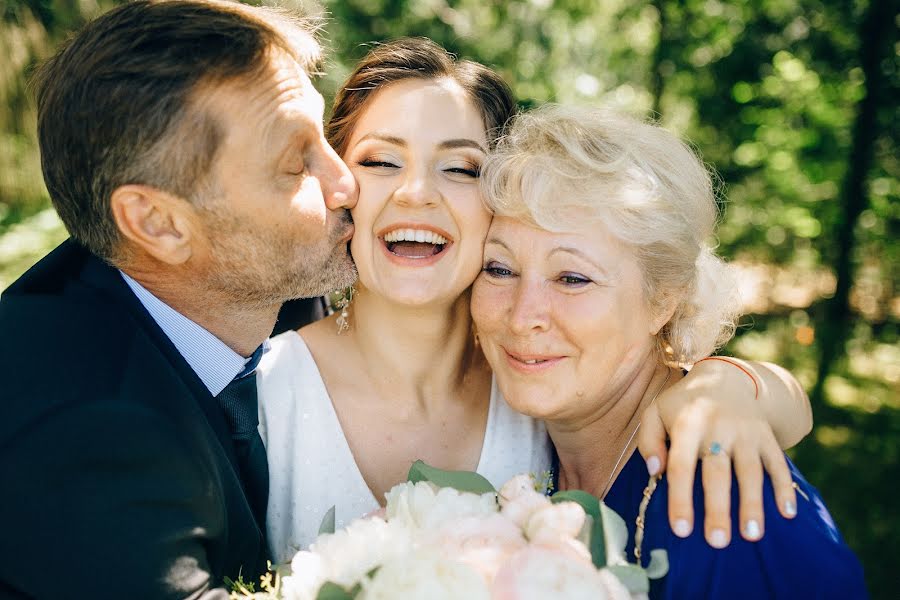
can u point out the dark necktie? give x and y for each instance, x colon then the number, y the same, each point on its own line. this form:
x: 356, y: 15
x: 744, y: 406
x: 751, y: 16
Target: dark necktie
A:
x: 239, y: 402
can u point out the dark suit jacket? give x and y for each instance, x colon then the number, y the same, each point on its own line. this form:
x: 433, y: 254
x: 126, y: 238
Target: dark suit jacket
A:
x: 117, y: 468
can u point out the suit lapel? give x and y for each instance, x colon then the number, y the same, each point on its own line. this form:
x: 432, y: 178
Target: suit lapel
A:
x: 108, y: 280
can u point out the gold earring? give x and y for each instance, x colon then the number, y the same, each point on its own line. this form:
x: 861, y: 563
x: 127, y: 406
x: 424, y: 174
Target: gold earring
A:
x: 343, y: 304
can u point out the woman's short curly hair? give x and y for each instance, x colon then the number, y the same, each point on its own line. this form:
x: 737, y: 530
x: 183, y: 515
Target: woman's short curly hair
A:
x: 564, y: 167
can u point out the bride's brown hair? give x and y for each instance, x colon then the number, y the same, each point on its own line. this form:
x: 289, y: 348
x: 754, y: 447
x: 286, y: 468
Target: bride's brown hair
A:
x: 417, y: 58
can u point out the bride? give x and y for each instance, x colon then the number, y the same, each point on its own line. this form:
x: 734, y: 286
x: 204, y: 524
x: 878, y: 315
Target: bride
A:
x: 349, y: 402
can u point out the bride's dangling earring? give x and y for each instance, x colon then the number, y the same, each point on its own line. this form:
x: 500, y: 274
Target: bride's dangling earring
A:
x: 343, y: 304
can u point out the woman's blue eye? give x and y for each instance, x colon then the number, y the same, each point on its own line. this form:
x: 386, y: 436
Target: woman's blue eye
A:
x: 497, y: 270
x: 573, y: 279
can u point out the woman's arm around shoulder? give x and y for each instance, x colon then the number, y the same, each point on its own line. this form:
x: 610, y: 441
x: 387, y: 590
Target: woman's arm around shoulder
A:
x: 803, y: 557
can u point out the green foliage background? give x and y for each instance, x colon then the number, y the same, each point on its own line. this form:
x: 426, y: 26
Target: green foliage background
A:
x: 793, y: 101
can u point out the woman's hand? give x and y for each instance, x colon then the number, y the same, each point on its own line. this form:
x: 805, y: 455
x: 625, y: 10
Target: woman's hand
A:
x: 713, y: 415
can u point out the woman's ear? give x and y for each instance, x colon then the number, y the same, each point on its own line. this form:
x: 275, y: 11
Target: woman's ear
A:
x: 662, y: 313
x: 157, y: 222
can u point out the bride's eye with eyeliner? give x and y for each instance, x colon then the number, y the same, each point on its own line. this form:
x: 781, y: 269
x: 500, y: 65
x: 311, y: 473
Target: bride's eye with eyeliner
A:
x: 377, y: 163
x: 462, y: 168
x: 474, y: 171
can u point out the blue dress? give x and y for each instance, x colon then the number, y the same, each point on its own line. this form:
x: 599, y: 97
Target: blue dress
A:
x: 803, y: 557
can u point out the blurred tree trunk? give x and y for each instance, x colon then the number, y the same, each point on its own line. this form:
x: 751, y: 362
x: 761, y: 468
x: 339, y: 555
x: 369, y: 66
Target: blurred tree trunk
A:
x: 657, y: 85
x: 834, y: 328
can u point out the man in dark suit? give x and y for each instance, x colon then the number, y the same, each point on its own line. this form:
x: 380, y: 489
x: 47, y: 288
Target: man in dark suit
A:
x: 182, y: 146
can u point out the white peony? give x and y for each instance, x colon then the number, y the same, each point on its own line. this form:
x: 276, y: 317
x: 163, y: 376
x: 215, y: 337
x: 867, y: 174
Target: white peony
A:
x: 555, y: 522
x: 482, y: 543
x: 517, y: 486
x: 440, y: 543
x: 520, y: 507
x: 539, y: 572
x: 425, y: 575
x: 424, y: 506
x: 345, y: 556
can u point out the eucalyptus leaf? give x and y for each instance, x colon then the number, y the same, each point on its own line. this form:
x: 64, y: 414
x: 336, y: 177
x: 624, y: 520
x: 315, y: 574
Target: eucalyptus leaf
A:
x: 332, y: 591
x: 615, y: 534
x: 632, y: 577
x: 327, y: 525
x: 464, y: 481
x: 592, y: 507
x: 659, y: 564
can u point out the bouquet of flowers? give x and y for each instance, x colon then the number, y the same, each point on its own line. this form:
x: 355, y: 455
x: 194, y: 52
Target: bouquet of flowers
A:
x: 449, y: 535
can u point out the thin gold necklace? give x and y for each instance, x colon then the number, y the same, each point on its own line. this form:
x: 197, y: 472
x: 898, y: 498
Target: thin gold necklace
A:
x: 631, y: 438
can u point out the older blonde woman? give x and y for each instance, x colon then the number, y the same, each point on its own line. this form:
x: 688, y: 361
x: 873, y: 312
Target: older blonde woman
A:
x: 598, y: 287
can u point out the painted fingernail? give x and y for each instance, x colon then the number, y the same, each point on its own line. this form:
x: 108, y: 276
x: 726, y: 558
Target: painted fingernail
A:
x: 653, y: 465
x: 751, y: 530
x: 790, y: 509
x: 682, y: 528
x: 717, y: 539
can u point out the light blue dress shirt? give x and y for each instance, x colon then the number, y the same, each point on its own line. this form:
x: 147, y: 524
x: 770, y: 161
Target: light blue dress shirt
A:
x: 211, y: 359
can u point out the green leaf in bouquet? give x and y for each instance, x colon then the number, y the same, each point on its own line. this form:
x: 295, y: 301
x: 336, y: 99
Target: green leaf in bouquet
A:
x: 327, y: 524
x: 616, y: 534
x: 659, y: 564
x: 591, y: 506
x: 332, y: 591
x: 464, y: 481
x: 239, y: 586
x: 632, y: 577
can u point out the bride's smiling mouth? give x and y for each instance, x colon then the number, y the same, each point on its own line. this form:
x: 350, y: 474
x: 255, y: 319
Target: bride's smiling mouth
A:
x: 414, y: 244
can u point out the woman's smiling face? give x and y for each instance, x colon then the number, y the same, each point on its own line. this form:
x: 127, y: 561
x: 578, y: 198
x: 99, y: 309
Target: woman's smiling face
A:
x: 416, y: 153
x: 562, y: 317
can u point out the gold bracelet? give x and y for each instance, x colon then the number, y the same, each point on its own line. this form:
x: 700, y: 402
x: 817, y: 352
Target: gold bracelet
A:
x: 642, y: 513
x: 731, y: 362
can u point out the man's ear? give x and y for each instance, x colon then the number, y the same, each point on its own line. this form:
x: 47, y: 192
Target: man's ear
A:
x: 157, y: 222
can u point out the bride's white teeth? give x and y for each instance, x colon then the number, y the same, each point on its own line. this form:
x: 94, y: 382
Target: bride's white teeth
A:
x: 533, y: 361
x: 415, y: 235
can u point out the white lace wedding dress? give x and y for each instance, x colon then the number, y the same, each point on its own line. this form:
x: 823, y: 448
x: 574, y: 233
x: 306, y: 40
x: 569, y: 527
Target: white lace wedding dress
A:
x: 311, y: 467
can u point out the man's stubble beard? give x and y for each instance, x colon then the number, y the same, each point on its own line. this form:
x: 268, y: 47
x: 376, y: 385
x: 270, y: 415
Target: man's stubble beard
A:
x: 256, y: 270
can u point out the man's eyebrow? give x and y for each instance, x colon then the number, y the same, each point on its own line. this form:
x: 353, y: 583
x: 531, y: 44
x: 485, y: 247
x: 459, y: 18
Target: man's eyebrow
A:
x: 284, y: 137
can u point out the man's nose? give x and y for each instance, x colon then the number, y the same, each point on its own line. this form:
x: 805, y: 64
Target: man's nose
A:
x: 338, y: 184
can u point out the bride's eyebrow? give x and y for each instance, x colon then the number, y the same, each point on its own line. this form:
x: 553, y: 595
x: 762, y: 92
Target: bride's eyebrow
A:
x: 445, y: 145
x: 461, y: 143
x: 382, y: 137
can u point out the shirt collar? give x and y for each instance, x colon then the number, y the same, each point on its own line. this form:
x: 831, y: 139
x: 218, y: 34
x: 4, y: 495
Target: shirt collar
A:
x: 211, y: 359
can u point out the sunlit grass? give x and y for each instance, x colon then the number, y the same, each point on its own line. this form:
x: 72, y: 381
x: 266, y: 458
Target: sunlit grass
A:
x: 26, y: 242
